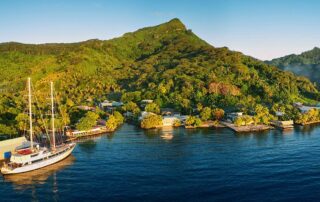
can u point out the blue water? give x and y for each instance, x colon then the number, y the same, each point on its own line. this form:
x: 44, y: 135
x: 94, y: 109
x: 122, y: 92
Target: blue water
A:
x: 183, y: 165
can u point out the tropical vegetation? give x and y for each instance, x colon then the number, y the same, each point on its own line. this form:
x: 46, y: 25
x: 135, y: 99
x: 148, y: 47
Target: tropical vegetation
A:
x: 167, y: 63
x: 151, y: 121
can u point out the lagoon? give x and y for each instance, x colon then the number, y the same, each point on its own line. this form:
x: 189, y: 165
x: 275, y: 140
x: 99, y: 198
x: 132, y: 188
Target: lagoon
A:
x: 180, y: 165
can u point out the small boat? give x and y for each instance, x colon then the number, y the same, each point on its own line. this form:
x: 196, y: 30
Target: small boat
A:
x: 33, y: 156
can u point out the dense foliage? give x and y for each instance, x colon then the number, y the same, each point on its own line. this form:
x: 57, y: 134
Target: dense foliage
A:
x: 114, y: 121
x: 312, y: 115
x: 152, y: 107
x: 166, y: 63
x: 261, y: 116
x: 306, y: 64
x: 193, y: 121
x: 88, y: 121
x: 151, y: 121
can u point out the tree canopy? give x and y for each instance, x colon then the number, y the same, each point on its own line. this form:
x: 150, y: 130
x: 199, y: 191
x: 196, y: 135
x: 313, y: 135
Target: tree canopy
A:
x: 166, y: 63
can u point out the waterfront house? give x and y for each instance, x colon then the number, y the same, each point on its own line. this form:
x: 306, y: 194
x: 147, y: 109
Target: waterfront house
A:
x: 232, y: 116
x: 168, y: 111
x: 144, y: 114
x: 169, y: 120
x: 283, y: 124
x: 304, y: 108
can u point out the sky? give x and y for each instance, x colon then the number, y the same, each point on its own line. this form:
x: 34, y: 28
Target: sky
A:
x: 264, y: 29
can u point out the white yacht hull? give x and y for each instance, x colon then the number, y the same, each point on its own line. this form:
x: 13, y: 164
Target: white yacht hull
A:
x: 43, y: 163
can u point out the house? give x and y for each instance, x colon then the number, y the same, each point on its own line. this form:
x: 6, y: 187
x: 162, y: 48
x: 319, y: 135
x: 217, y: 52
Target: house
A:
x: 86, y: 108
x: 297, y: 104
x: 278, y: 113
x: 167, y: 111
x: 179, y: 117
x: 144, y: 114
x: 182, y: 118
x: 128, y: 114
x: 304, y: 108
x: 283, y: 124
x: 110, y: 104
x: 232, y: 116
x: 146, y: 101
x: 143, y: 103
x: 169, y: 120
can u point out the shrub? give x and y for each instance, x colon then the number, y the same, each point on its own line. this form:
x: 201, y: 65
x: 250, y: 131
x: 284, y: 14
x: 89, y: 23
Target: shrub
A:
x: 205, y: 113
x: 151, y: 121
x: 193, y: 121
x: 153, y: 107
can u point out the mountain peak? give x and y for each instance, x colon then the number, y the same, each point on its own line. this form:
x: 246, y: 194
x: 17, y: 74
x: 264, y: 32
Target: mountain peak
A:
x: 174, y: 24
x: 175, y: 21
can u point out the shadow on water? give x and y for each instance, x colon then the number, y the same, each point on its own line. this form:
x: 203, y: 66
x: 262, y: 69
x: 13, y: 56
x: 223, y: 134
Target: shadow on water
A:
x: 306, y: 130
x: 26, y: 180
x: 151, y: 133
x: 88, y: 146
x: 261, y: 137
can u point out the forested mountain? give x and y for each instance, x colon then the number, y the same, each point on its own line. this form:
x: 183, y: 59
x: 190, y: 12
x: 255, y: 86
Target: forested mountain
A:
x: 167, y: 63
x: 306, y: 64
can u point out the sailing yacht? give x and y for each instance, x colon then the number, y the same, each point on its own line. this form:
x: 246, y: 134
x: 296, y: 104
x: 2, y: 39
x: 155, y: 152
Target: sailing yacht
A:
x: 33, y: 156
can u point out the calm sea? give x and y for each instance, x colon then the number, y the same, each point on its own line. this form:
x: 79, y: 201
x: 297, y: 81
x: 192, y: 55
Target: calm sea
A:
x: 179, y: 165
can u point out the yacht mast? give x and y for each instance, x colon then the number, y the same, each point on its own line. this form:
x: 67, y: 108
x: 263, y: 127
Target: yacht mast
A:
x: 52, y: 110
x: 30, y: 113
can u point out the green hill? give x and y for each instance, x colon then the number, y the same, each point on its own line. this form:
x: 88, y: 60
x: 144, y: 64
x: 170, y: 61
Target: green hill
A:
x: 306, y: 64
x: 167, y: 63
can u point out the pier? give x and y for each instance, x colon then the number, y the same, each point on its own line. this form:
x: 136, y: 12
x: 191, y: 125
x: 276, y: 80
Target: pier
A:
x: 248, y: 128
x: 85, y: 133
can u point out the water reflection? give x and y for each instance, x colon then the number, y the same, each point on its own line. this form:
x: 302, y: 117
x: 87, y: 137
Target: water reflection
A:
x: 38, y: 176
x: 89, y: 145
x: 167, y: 136
x: 164, y: 133
x: 306, y: 130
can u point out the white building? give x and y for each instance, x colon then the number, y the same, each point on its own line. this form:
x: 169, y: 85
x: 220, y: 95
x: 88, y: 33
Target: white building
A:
x: 108, y: 103
x: 144, y: 114
x: 169, y: 120
x: 304, y: 108
x: 146, y: 101
x: 232, y: 116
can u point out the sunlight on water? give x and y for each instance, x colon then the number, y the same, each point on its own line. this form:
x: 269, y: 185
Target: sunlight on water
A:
x: 179, y: 164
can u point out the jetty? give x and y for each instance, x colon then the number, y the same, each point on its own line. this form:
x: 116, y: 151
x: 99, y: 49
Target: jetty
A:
x: 248, y: 128
x: 284, y: 125
x: 85, y: 133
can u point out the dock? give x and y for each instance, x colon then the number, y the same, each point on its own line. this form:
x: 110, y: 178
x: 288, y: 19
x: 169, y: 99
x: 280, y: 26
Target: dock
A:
x: 249, y: 128
x: 284, y: 125
x: 85, y: 133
